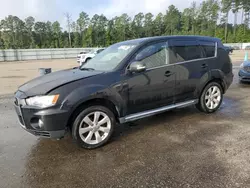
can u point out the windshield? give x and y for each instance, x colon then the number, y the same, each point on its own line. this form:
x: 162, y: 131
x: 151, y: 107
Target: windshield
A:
x: 93, y: 51
x: 109, y: 58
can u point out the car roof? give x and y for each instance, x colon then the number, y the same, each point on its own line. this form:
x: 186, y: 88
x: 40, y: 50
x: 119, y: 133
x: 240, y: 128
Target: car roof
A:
x: 151, y: 39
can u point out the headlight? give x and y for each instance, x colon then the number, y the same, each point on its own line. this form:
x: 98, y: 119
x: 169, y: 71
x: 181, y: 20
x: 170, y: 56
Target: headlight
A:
x: 42, y: 101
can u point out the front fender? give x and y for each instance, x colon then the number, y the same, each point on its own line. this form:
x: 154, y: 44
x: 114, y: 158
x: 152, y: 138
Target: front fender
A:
x: 86, y: 93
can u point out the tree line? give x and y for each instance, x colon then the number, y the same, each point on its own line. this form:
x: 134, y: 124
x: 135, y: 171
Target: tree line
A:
x: 210, y: 18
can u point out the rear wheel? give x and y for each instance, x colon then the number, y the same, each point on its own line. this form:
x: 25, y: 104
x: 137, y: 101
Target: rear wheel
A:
x: 211, y: 98
x: 93, y: 127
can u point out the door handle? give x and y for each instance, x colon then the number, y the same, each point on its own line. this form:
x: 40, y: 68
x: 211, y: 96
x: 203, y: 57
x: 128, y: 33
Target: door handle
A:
x: 168, y: 73
x: 204, y: 65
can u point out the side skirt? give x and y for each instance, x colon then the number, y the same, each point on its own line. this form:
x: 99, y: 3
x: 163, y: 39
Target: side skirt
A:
x: 148, y: 113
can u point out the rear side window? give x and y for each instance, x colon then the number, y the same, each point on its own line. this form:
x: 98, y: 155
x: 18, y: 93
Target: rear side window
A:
x: 185, y: 51
x: 208, y: 48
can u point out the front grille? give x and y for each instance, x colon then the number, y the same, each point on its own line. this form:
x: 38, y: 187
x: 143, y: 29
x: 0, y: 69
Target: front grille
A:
x: 247, y: 68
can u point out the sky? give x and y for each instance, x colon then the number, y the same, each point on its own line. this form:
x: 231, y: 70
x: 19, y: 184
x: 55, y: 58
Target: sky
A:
x: 52, y: 10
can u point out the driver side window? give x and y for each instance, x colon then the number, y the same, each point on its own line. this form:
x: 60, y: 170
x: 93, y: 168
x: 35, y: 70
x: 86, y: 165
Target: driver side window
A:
x: 154, y: 55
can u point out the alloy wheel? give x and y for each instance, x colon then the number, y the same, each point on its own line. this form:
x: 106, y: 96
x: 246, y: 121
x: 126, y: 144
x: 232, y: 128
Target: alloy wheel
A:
x: 213, y: 97
x: 95, y: 127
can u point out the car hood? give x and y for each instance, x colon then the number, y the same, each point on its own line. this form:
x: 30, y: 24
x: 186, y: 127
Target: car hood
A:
x: 43, y: 84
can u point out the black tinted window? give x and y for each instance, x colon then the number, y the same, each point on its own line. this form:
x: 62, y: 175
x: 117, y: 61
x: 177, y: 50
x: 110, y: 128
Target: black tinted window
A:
x: 185, y: 51
x: 208, y: 47
x: 153, y: 55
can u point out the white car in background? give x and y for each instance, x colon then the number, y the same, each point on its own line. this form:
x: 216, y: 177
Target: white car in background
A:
x: 83, y: 57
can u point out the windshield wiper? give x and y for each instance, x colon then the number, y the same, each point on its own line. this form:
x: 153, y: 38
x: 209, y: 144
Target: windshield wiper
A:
x: 87, y: 69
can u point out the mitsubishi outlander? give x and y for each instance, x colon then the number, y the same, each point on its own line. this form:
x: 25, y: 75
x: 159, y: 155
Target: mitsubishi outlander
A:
x: 128, y: 81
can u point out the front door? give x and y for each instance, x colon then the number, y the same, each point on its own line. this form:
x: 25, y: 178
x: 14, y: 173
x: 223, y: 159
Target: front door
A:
x: 155, y: 87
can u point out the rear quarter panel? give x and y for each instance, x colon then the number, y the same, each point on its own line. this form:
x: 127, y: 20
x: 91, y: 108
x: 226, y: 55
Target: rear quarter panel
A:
x: 220, y: 67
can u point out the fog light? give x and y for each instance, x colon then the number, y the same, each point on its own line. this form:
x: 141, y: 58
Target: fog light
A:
x: 36, y: 123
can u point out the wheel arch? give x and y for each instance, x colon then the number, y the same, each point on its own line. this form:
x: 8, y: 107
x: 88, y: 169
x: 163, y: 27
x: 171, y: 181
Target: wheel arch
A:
x: 217, y: 80
x: 94, y: 102
x: 213, y: 76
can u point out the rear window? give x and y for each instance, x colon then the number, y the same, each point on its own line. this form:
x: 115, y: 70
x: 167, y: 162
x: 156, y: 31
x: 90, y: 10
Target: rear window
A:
x: 186, y: 50
x: 208, y: 48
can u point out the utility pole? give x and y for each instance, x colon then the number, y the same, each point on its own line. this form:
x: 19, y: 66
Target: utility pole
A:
x: 68, y: 18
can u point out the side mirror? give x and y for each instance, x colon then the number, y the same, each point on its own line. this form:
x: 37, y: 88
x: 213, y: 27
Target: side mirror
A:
x: 137, y: 66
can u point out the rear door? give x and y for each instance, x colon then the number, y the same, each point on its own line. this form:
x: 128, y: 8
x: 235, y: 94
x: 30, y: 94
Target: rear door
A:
x: 190, y: 68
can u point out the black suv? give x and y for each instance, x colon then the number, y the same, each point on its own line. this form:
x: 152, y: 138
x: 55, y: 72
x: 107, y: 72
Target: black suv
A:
x: 128, y: 81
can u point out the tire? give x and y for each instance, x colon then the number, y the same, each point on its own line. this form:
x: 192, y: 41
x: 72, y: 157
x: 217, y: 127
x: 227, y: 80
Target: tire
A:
x: 215, y: 98
x: 90, y: 130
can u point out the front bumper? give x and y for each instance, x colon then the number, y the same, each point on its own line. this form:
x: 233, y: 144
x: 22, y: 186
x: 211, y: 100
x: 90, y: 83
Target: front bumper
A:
x: 49, y: 123
x: 244, y: 75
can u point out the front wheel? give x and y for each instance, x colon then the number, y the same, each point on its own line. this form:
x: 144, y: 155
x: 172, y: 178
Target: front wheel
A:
x: 211, y: 98
x: 93, y: 127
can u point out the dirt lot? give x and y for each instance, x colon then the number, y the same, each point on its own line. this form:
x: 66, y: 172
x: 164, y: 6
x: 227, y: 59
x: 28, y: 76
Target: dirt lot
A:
x: 14, y: 74
x: 239, y: 55
x: 181, y: 148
